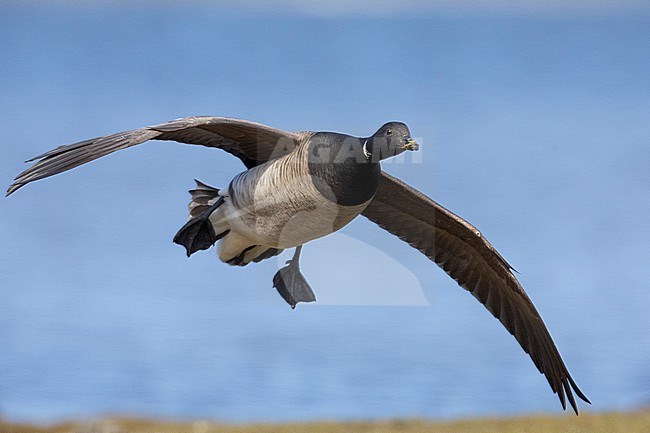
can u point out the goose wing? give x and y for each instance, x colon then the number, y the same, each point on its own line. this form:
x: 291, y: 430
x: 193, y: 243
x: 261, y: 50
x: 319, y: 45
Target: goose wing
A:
x: 251, y: 142
x: 462, y: 252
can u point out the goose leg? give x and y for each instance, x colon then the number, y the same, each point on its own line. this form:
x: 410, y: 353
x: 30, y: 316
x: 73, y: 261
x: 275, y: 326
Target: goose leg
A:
x: 291, y: 284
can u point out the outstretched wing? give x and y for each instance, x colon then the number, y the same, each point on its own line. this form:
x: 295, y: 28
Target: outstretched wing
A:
x: 460, y: 249
x: 251, y: 142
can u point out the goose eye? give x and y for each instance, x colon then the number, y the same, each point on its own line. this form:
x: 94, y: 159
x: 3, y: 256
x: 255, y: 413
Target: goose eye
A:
x: 389, y: 131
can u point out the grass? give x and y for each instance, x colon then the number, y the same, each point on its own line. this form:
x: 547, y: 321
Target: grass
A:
x: 611, y: 422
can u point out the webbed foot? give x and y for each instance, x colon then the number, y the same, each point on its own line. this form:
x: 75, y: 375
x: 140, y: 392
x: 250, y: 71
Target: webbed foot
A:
x: 198, y: 234
x: 291, y: 284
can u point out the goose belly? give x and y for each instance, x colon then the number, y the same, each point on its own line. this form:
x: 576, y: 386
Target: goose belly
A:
x: 283, y: 209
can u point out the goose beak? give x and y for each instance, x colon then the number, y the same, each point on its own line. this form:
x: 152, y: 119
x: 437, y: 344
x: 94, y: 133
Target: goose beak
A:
x: 410, y: 144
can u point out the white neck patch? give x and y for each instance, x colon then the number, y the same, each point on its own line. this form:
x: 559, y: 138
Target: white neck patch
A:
x: 365, y: 150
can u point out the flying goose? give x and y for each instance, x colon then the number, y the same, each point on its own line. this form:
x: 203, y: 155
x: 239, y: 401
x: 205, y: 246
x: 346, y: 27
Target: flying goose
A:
x: 300, y: 186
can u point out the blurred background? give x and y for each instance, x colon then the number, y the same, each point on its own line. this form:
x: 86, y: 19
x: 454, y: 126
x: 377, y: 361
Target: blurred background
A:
x: 534, y: 120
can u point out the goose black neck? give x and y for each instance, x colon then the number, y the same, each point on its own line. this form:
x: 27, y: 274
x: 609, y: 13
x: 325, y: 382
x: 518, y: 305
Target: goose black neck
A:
x: 340, y: 169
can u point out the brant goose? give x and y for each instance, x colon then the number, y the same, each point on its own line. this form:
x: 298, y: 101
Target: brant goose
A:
x: 300, y: 186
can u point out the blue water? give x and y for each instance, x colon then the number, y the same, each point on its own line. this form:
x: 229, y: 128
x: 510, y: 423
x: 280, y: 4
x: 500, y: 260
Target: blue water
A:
x: 533, y: 128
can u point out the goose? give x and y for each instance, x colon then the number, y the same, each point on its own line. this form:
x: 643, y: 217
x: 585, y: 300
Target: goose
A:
x: 299, y: 186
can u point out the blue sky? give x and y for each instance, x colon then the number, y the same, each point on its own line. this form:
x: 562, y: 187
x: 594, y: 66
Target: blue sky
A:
x: 534, y: 125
